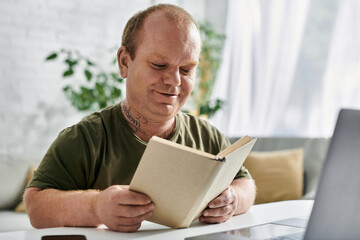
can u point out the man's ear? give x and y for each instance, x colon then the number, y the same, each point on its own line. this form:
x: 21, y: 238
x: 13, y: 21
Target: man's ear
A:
x: 123, y: 58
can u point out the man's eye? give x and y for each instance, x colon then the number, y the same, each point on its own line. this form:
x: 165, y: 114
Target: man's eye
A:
x: 185, y: 71
x: 158, y: 66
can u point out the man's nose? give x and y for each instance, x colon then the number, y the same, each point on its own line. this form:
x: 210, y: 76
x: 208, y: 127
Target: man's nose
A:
x: 173, y: 78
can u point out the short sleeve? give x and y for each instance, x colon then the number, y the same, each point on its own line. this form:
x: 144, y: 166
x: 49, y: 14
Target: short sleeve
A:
x: 243, y: 173
x: 70, y: 163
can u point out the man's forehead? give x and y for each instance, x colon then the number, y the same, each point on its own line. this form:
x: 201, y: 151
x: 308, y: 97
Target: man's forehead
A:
x: 159, y: 33
x: 159, y: 56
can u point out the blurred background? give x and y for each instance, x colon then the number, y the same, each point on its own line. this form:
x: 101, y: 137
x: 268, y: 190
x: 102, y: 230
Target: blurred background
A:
x: 274, y: 67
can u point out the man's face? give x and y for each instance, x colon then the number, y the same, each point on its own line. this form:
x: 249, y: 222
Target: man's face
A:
x: 161, y: 76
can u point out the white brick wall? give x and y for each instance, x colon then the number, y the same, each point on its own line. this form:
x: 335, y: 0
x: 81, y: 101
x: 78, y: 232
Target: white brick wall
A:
x: 33, y: 108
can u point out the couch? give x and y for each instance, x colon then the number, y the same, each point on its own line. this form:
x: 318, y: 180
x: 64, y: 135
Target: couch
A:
x: 14, y: 171
x: 314, y: 153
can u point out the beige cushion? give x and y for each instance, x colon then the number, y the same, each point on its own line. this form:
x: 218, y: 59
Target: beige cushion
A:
x: 21, y: 206
x: 278, y: 174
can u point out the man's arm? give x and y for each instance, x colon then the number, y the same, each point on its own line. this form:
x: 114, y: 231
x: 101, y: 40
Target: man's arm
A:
x: 236, y: 199
x: 116, y: 207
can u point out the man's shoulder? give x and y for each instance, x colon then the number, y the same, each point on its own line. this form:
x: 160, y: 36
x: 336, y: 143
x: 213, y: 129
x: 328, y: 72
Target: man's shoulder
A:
x: 198, y: 133
x: 198, y: 126
x: 94, y: 124
x: 195, y: 121
x: 100, y: 118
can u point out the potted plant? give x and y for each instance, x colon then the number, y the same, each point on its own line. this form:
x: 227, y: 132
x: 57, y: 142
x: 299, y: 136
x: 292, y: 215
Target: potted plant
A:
x: 97, y: 89
x: 211, y: 50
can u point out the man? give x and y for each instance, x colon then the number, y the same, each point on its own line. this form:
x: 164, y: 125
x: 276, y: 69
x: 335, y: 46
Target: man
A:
x: 83, y: 178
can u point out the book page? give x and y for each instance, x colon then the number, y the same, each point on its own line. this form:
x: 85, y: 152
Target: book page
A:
x: 234, y: 160
x: 242, y: 141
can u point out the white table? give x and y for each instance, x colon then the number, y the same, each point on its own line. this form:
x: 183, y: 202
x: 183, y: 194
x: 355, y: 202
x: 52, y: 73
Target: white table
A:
x: 258, y: 214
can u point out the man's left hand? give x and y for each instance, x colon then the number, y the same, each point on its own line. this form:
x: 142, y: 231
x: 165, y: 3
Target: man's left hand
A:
x: 221, y: 208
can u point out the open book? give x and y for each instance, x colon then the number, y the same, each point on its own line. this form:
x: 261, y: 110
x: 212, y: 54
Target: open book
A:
x: 181, y: 181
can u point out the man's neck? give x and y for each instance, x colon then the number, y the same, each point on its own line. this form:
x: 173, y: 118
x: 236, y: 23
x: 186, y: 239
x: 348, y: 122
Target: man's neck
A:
x: 145, y: 128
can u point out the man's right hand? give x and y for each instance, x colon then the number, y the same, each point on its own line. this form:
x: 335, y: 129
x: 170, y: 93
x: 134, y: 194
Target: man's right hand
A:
x: 121, y: 209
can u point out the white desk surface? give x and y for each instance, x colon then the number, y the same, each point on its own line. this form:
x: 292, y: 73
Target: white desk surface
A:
x: 258, y: 214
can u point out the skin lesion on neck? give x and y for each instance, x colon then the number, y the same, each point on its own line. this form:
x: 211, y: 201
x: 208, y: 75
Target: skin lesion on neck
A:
x: 142, y: 127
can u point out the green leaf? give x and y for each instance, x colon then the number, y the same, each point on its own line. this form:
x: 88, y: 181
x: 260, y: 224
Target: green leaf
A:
x: 52, y: 56
x: 100, y: 89
x: 67, y: 88
x: 116, y: 77
x: 88, y: 74
x: 87, y: 93
x: 89, y: 63
x: 79, y: 102
x: 115, y: 92
x: 102, y: 104
x: 102, y: 77
x: 68, y: 73
x: 71, y: 63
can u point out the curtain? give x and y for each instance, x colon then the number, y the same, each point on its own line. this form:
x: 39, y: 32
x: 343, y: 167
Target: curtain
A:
x: 263, y: 38
x: 341, y: 81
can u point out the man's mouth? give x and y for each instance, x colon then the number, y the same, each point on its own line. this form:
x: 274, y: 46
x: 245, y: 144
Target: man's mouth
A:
x: 165, y: 97
x: 168, y: 94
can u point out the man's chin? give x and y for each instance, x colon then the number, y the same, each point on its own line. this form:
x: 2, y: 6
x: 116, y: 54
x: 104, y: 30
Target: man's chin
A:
x: 166, y: 110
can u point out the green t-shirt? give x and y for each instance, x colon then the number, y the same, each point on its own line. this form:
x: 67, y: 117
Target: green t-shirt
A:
x: 102, y: 150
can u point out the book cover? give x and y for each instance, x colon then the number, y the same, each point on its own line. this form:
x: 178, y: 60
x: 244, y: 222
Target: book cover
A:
x: 181, y: 181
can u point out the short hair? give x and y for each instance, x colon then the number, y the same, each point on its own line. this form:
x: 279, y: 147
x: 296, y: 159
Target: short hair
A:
x: 136, y: 22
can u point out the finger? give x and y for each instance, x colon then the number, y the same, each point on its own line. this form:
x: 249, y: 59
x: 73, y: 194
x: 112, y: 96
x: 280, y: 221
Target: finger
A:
x: 219, y: 219
x: 133, y: 221
x: 225, y: 198
x: 124, y: 224
x: 134, y: 210
x: 217, y: 212
x: 127, y: 197
x: 124, y: 228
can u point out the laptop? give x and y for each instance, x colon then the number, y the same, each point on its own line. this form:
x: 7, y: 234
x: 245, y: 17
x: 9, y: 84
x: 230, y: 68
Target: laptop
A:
x: 335, y: 214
